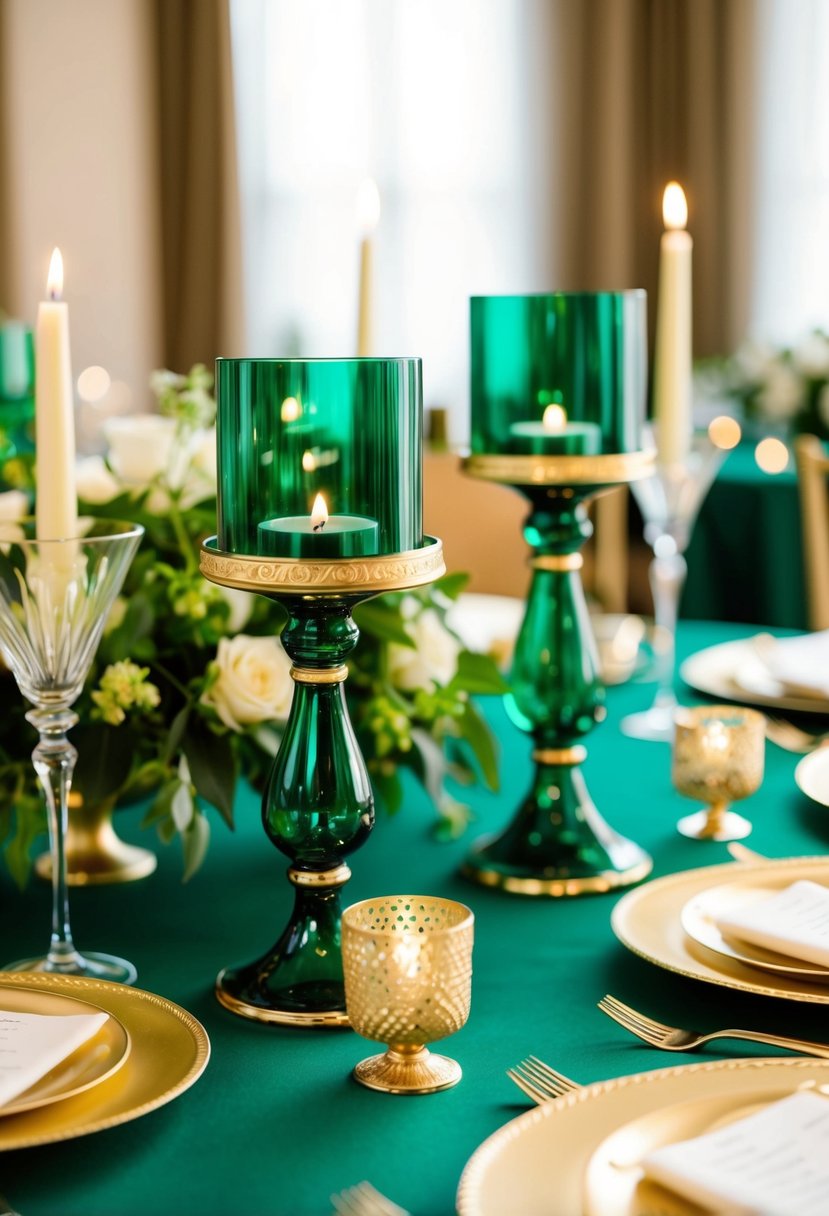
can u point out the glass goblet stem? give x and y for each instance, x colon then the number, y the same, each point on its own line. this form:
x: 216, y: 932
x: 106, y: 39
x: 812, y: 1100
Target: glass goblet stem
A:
x: 667, y: 578
x: 54, y: 761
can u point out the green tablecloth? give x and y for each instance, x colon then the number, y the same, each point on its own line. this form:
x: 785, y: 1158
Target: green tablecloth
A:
x: 275, y: 1124
x: 745, y: 560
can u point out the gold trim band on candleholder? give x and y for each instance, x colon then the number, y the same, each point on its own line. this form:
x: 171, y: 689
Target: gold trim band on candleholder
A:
x: 577, y: 754
x: 325, y: 675
x: 557, y: 562
x: 305, y: 576
x: 320, y: 878
x: 560, y: 887
x: 331, y: 1018
x: 517, y: 470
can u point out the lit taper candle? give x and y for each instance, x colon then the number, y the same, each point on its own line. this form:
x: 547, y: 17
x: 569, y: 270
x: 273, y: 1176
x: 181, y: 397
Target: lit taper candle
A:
x: 368, y: 216
x: 56, y: 505
x: 672, y: 356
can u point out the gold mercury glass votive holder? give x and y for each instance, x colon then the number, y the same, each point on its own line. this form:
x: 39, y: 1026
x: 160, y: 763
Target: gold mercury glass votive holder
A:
x: 718, y: 757
x: 407, y: 962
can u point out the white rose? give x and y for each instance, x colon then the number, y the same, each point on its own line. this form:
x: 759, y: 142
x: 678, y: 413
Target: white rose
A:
x: 782, y: 394
x: 433, y: 660
x: 811, y: 356
x: 200, y: 477
x: 253, y: 682
x: 94, y: 481
x: 755, y: 360
x: 14, y: 504
x: 140, y: 446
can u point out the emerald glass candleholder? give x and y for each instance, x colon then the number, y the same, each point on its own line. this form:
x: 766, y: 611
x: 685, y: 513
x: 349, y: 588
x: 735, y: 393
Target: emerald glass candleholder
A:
x: 558, y: 407
x: 360, y: 419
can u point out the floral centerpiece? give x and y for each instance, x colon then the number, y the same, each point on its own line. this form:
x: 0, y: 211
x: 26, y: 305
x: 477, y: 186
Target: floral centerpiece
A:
x: 785, y: 389
x: 191, y: 687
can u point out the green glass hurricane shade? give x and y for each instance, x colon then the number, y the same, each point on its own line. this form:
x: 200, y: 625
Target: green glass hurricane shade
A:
x: 348, y: 430
x: 584, y: 352
x: 320, y: 507
x: 558, y: 406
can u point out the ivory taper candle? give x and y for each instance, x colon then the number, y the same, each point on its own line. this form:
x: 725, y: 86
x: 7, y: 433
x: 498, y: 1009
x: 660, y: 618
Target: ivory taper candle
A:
x: 56, y: 503
x: 368, y: 215
x: 672, y: 356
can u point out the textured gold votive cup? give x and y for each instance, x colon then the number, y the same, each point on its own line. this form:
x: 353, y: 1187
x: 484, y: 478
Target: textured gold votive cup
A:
x: 407, y: 962
x: 718, y: 757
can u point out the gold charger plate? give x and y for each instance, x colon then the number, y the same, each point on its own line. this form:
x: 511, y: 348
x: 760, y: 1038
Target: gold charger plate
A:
x: 647, y: 921
x: 699, y: 922
x: 170, y: 1050
x: 100, y: 1057
x: 718, y: 671
x: 551, y: 1160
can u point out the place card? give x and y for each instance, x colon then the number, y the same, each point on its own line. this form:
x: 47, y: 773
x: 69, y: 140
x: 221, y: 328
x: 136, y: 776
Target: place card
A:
x: 772, y: 1163
x: 32, y: 1044
x: 793, y: 922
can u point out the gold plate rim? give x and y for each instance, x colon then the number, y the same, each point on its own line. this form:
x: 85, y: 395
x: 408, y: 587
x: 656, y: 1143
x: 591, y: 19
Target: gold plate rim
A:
x: 696, y: 913
x: 21, y: 1104
x: 81, y: 1115
x: 589, y: 1107
x: 672, y: 954
x: 353, y: 575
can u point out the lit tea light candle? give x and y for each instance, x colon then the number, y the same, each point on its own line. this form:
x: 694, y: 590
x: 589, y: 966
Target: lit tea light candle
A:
x: 672, y: 353
x: 56, y: 504
x: 554, y: 435
x: 319, y: 535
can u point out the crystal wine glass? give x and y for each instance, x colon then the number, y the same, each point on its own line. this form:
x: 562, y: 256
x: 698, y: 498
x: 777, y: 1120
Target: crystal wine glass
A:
x: 670, y: 500
x: 55, y: 596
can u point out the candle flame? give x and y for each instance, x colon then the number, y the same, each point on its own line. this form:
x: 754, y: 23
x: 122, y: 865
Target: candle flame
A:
x: 291, y: 409
x: 674, y: 206
x: 319, y: 514
x: 54, y: 283
x: 554, y: 418
x: 368, y: 206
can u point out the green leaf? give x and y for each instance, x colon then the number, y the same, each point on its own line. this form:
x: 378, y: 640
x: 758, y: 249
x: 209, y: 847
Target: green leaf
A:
x: 177, y: 729
x: 383, y: 621
x: 451, y: 584
x: 389, y: 790
x: 432, y: 766
x: 105, y: 755
x: 212, y: 767
x: 161, y: 806
x: 18, y: 850
x: 195, y: 841
x: 477, y: 673
x: 479, y: 737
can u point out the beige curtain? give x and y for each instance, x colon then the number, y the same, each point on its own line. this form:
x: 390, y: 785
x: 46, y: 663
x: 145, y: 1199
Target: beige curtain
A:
x: 649, y: 90
x: 6, y: 286
x: 200, y: 214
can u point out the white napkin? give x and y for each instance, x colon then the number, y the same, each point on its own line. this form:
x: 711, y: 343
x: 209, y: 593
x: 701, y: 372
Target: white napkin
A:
x: 772, y: 1163
x: 795, y: 921
x: 801, y: 664
x: 32, y: 1044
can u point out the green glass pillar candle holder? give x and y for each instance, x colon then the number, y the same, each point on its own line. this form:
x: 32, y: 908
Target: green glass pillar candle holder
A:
x: 288, y: 432
x: 558, y: 401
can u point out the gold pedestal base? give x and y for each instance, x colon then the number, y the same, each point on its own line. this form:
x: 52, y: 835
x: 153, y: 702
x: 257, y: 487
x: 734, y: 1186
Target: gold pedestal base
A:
x: 95, y: 853
x: 408, y: 1070
x: 332, y: 1018
x: 558, y: 887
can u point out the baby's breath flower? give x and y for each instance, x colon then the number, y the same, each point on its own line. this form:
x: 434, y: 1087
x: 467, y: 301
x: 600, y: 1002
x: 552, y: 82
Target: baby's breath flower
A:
x: 124, y: 686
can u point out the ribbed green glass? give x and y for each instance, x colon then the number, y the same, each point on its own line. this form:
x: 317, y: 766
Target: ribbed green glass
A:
x: 583, y: 351
x: 348, y: 429
x: 17, y: 387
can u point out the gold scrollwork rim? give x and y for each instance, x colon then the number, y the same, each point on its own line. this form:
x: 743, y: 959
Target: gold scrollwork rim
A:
x: 609, y: 468
x: 358, y: 575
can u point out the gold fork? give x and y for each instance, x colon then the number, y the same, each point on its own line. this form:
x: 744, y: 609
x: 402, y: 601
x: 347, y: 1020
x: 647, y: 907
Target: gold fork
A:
x: 792, y: 738
x: 364, y: 1200
x: 674, y: 1038
x: 539, y: 1081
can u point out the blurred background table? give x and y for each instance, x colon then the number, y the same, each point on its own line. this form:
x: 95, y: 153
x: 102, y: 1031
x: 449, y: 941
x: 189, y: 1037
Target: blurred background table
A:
x: 276, y: 1124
